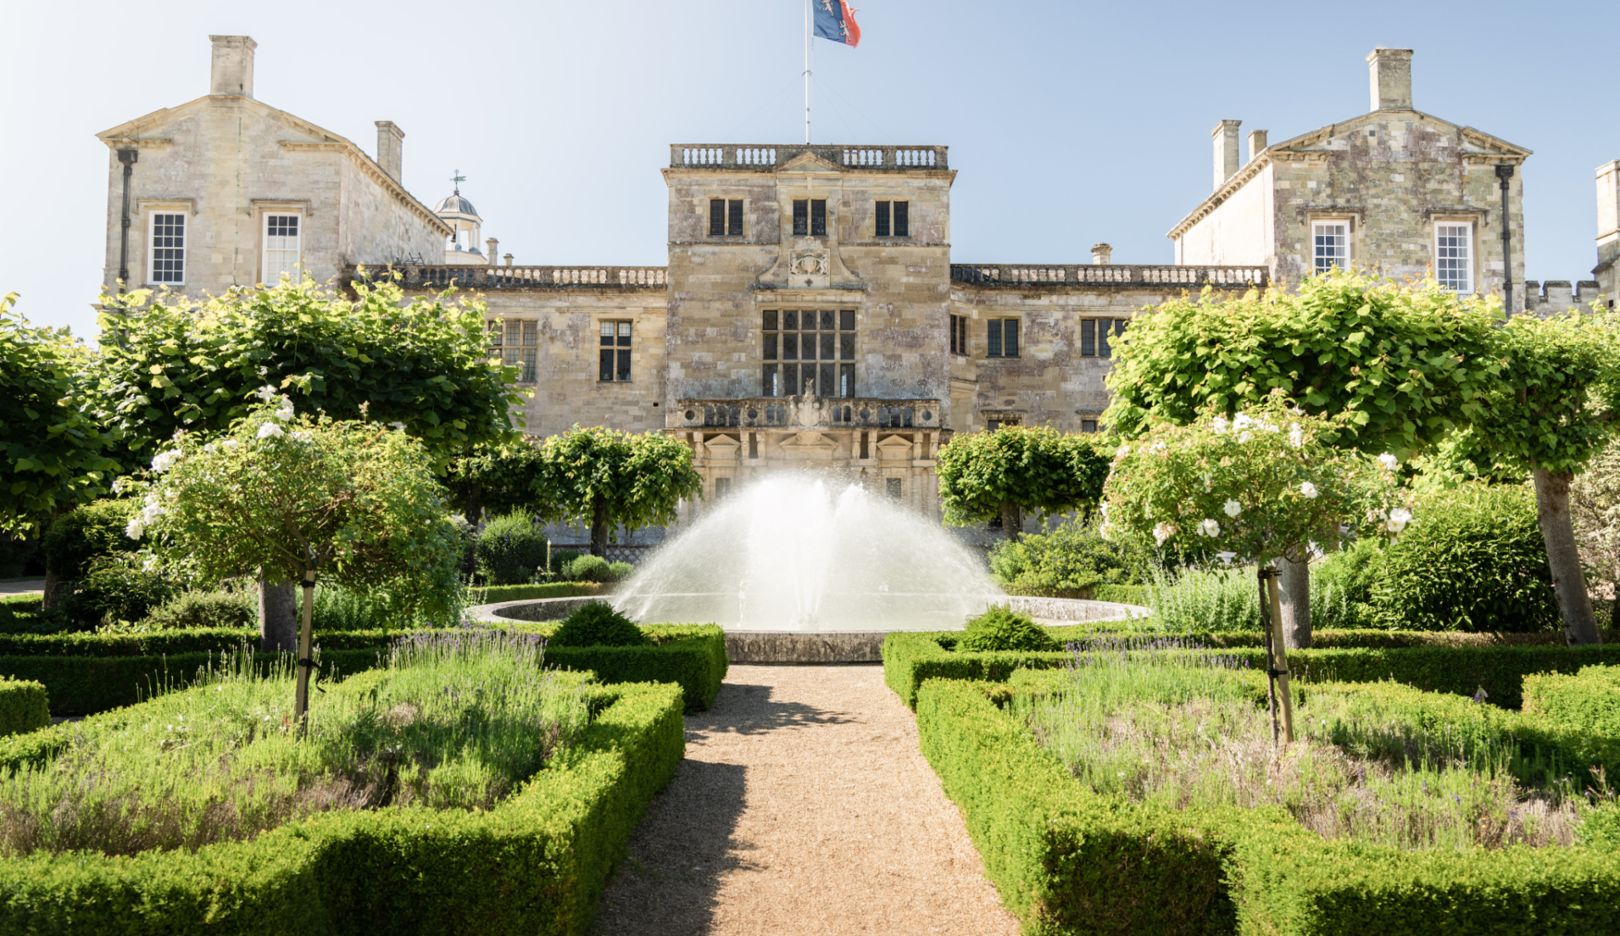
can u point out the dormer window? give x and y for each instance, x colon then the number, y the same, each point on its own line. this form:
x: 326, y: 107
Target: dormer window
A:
x: 725, y: 217
x: 893, y: 219
x: 810, y: 217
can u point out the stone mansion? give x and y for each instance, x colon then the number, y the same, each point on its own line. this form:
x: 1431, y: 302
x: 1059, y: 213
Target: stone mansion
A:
x: 810, y: 312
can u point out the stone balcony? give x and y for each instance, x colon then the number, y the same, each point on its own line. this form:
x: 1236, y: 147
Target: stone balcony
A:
x: 807, y: 412
x: 759, y: 156
x: 443, y: 276
x: 1059, y: 275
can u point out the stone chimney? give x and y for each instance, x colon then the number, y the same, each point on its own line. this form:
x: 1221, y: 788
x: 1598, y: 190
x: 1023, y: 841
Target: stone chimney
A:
x: 390, y: 148
x: 232, y: 70
x: 1257, y: 143
x: 492, y: 243
x: 508, y: 259
x: 1226, y: 150
x: 1389, y: 73
x: 1102, y: 254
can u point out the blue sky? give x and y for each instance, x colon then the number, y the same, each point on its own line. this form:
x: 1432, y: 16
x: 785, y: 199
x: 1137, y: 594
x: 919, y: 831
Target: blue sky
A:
x: 1068, y: 122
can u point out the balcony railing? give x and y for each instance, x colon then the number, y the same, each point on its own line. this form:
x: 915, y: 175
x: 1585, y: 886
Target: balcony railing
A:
x: 1025, y: 275
x: 808, y: 413
x: 441, y: 276
x: 768, y: 156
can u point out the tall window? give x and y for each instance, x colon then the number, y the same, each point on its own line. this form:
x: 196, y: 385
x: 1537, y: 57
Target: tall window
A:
x: 1001, y: 337
x: 1088, y: 425
x: 167, y: 263
x: 893, y: 219
x: 281, y: 247
x: 1096, y: 336
x: 517, y: 343
x: 614, y: 355
x: 959, y: 338
x: 1330, y: 245
x: 1454, y: 255
x: 725, y: 217
x: 808, y: 351
x: 810, y: 217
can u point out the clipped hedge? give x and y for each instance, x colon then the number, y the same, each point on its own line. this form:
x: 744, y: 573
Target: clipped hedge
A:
x: 1069, y: 860
x: 23, y: 706
x: 1433, y: 661
x: 536, y: 863
x: 1587, y: 701
x: 690, y: 655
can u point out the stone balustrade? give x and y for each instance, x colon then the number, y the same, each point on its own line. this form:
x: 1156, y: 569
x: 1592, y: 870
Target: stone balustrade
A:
x: 441, y: 276
x: 769, y: 156
x: 807, y: 412
x: 1026, y: 275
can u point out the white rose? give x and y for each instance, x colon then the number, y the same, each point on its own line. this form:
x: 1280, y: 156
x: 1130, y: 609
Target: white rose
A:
x: 266, y: 393
x: 1296, y: 435
x: 1209, y: 528
x: 165, y: 460
x: 1242, y: 422
x: 1163, y: 531
x: 1389, y: 462
x: 135, y: 529
x: 1233, y: 508
x: 1219, y: 425
x: 269, y: 430
x: 284, y: 412
x: 1398, y: 519
x: 1308, y: 489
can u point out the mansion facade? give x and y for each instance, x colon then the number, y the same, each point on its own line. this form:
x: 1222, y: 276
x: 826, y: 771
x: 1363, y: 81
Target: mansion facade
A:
x: 810, y: 313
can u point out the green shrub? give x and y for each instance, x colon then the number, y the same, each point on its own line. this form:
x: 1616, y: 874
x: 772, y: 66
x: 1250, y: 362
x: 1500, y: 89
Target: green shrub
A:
x: 1472, y: 559
x: 87, y: 532
x: 192, y: 610
x: 1069, y: 560
x: 1002, y: 629
x: 690, y: 655
x: 511, y: 549
x: 619, y: 571
x: 588, y: 568
x: 117, y: 588
x: 23, y: 706
x: 1341, y: 587
x: 1215, y: 599
x: 596, y: 624
x: 22, y: 614
x: 560, y: 558
x: 1587, y: 701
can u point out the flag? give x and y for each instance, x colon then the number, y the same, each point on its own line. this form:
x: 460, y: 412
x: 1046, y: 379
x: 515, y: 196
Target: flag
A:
x: 836, y: 21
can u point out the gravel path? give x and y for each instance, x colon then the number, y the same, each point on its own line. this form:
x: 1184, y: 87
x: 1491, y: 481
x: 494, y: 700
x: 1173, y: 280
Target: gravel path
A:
x: 803, y: 807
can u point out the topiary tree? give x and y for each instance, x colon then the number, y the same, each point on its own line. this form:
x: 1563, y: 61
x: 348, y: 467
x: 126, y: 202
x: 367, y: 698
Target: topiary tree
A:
x: 496, y: 477
x: 1001, y: 629
x: 988, y: 475
x: 51, y: 446
x: 1260, y: 486
x: 607, y: 478
x: 1555, y: 405
x: 510, y: 549
x: 1403, y: 364
x: 306, y: 499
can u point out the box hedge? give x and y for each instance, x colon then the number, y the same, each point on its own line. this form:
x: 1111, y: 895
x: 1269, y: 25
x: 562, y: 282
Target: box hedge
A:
x: 1441, y: 662
x: 691, y: 655
x: 23, y: 706
x: 536, y: 863
x: 1069, y: 860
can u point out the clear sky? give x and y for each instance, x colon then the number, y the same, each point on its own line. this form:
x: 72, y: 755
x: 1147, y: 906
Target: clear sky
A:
x: 1068, y: 122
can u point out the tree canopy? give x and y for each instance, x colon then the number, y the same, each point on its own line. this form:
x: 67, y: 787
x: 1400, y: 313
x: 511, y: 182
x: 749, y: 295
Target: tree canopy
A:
x: 52, y: 448
x: 607, y: 478
x: 985, y: 475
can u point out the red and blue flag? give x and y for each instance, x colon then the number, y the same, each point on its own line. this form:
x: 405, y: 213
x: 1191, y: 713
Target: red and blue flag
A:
x: 836, y: 21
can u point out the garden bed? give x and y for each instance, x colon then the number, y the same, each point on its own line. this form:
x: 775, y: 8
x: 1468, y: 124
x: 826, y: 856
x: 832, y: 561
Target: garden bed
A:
x: 1070, y: 858
x: 466, y: 854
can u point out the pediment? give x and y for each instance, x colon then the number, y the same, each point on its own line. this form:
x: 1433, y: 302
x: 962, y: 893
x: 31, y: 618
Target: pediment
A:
x: 809, y: 162
x: 1475, y: 142
x: 810, y: 441
x: 722, y: 445
x: 893, y: 443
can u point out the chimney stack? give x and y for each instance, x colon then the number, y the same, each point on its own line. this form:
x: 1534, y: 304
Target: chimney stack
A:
x: 1102, y: 254
x: 492, y: 243
x: 508, y: 259
x: 1389, y: 72
x: 232, y: 69
x: 1257, y: 143
x: 1226, y: 151
x: 391, y: 149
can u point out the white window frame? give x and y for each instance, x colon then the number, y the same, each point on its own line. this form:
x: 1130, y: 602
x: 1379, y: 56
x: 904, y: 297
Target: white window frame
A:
x: 1318, y: 228
x: 152, y: 248
x: 266, y: 276
x: 1448, y: 227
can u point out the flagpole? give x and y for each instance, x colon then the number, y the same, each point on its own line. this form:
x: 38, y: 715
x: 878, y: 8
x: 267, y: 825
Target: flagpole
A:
x: 806, y: 72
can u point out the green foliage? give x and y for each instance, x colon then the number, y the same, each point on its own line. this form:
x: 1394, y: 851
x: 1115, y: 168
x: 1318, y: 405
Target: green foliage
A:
x: 119, y: 588
x: 1001, y: 629
x: 1395, y: 366
x: 597, y: 624
x: 1473, y: 559
x: 491, y: 594
x: 23, y: 706
x: 692, y: 656
x: 173, y: 363
x: 1068, y: 560
x: 1263, y: 484
x: 1029, y: 468
x: 232, y: 610
x: 293, y: 495
x: 52, y: 446
x: 1587, y: 702
x: 535, y: 863
x: 511, y: 549
x: 1594, y: 506
x: 87, y: 532
x: 588, y: 568
x: 497, y: 477
x: 607, y: 478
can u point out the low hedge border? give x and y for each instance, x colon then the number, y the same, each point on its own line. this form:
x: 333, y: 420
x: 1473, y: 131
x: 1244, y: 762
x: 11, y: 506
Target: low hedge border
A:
x: 1424, y: 659
x: 536, y: 863
x: 691, y: 655
x: 1068, y: 860
x: 23, y: 706
x: 1587, y: 701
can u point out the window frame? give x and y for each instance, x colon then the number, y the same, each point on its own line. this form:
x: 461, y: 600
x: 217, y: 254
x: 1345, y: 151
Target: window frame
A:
x: 152, y: 248
x: 959, y: 335
x: 1097, y: 333
x: 995, y: 337
x: 265, y: 214
x: 891, y: 219
x: 523, y: 355
x: 837, y: 348
x: 809, y: 217
x: 1466, y: 225
x: 1347, y: 230
x: 614, y: 343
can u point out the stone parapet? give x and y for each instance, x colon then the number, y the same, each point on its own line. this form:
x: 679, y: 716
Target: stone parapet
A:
x: 756, y: 156
x: 1037, y: 275
x: 806, y: 413
x: 441, y: 276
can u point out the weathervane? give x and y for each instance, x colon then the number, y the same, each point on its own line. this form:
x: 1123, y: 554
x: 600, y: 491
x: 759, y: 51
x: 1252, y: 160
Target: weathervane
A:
x: 456, y: 178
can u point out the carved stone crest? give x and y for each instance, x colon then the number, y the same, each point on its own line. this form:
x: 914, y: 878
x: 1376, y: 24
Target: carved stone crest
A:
x: 810, y: 263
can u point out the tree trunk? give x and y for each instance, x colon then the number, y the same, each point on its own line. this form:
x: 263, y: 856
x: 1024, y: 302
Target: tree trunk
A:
x: 1568, y: 579
x: 52, y: 589
x: 278, y: 616
x: 1012, y: 521
x: 306, y: 661
x: 1294, y: 584
x: 1279, y: 657
x: 600, y: 528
